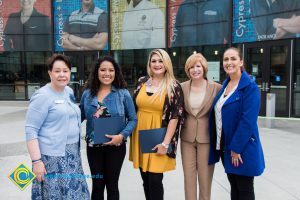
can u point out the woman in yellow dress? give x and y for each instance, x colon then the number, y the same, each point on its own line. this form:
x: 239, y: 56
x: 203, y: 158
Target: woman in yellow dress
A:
x: 159, y: 102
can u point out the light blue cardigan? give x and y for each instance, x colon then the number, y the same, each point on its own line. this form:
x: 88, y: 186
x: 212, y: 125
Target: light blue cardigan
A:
x: 47, y: 119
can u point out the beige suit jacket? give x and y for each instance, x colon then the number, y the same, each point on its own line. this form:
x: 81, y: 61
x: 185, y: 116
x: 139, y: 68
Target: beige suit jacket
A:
x: 195, y: 127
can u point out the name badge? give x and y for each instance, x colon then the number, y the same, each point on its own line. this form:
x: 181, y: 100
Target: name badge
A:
x: 59, y: 101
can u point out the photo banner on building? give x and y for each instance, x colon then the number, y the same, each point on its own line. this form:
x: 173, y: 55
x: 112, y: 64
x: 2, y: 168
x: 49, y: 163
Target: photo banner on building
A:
x: 25, y: 25
x: 259, y: 20
x: 137, y: 24
x: 80, y: 25
x: 193, y: 23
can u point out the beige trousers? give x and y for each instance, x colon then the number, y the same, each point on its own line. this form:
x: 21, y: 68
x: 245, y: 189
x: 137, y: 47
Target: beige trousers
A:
x: 195, y: 166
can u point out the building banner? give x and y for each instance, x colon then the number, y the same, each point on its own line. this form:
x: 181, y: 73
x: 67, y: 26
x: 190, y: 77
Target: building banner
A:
x: 137, y: 24
x: 25, y: 25
x: 259, y: 20
x: 173, y: 7
x: 80, y: 25
x: 198, y: 22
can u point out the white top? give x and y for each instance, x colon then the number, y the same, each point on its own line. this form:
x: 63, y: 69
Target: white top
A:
x: 218, y: 115
x: 196, y: 100
x: 143, y: 26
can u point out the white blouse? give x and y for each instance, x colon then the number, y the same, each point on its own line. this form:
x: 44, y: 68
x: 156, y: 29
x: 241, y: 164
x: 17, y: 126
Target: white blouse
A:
x: 196, y: 100
x: 218, y: 115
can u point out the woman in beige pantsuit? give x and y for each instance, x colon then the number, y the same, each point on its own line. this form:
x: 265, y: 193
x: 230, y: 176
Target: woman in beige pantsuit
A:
x: 199, y: 94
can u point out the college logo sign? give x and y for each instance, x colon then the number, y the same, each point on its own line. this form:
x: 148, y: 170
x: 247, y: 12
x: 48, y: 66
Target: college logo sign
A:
x: 22, y: 176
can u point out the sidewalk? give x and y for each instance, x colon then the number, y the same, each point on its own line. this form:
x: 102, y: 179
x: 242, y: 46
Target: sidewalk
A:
x: 280, y: 180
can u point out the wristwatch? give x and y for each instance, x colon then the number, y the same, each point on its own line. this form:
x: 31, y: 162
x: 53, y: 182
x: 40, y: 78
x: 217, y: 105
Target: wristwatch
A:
x: 165, y: 145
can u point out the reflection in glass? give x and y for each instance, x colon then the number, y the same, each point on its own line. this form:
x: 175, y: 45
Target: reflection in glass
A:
x: 254, y: 68
x: 12, y: 78
x: 279, y: 77
x: 37, y: 70
x: 296, y: 81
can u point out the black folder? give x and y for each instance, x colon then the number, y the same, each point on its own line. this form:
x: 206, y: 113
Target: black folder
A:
x: 150, y: 138
x: 107, y: 126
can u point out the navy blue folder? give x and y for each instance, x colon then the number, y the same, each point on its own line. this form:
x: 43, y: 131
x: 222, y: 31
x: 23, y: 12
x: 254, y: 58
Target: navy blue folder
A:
x: 150, y: 138
x: 107, y: 126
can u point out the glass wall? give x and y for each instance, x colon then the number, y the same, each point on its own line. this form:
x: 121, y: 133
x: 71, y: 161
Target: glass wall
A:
x: 36, y: 70
x: 134, y: 62
x: 212, y: 53
x: 12, y: 76
x: 21, y: 73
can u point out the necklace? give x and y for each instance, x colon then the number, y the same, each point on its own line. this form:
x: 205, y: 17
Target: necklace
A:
x: 149, y: 82
x: 150, y: 87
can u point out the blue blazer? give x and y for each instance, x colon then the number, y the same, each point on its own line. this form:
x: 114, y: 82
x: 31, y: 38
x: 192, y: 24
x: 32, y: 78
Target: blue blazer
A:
x: 240, y: 130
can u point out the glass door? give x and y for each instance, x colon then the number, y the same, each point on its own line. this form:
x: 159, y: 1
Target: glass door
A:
x: 268, y: 63
x: 296, y: 81
x: 255, y: 67
x: 279, y: 79
x: 81, y: 64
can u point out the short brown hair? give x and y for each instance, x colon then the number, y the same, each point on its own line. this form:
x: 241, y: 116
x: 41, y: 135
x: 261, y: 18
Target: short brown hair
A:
x: 191, y: 61
x: 56, y: 57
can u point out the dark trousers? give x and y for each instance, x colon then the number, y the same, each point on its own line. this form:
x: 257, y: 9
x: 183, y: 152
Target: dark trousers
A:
x: 153, y: 186
x: 241, y: 187
x: 106, y: 162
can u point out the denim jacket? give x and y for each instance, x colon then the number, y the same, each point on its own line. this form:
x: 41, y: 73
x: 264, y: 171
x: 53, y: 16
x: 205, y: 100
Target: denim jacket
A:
x: 118, y: 102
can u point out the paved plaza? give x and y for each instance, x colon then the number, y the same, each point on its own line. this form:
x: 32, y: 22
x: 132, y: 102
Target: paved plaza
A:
x: 280, y: 181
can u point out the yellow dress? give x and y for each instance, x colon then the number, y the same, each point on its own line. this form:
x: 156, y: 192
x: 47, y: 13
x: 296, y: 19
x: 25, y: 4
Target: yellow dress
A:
x: 149, y: 116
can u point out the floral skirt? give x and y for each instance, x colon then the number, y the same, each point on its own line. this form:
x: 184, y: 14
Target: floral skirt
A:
x: 64, y: 179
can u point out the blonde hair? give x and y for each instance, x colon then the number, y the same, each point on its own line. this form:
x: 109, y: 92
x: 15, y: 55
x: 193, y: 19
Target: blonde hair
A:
x: 168, y: 82
x: 192, y: 60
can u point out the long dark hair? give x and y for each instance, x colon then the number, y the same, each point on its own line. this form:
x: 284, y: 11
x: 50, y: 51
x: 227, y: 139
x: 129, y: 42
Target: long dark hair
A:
x: 93, y: 82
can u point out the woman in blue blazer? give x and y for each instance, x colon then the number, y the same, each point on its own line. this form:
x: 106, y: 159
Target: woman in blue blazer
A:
x: 233, y: 128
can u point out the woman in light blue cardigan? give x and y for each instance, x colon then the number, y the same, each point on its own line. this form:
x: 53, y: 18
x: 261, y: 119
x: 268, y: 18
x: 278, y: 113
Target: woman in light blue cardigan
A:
x: 53, y: 137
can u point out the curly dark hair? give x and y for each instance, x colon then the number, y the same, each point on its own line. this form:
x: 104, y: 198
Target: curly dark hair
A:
x: 93, y: 82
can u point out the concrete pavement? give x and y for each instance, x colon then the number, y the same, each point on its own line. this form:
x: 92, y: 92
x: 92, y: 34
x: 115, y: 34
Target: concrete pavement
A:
x: 280, y: 180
